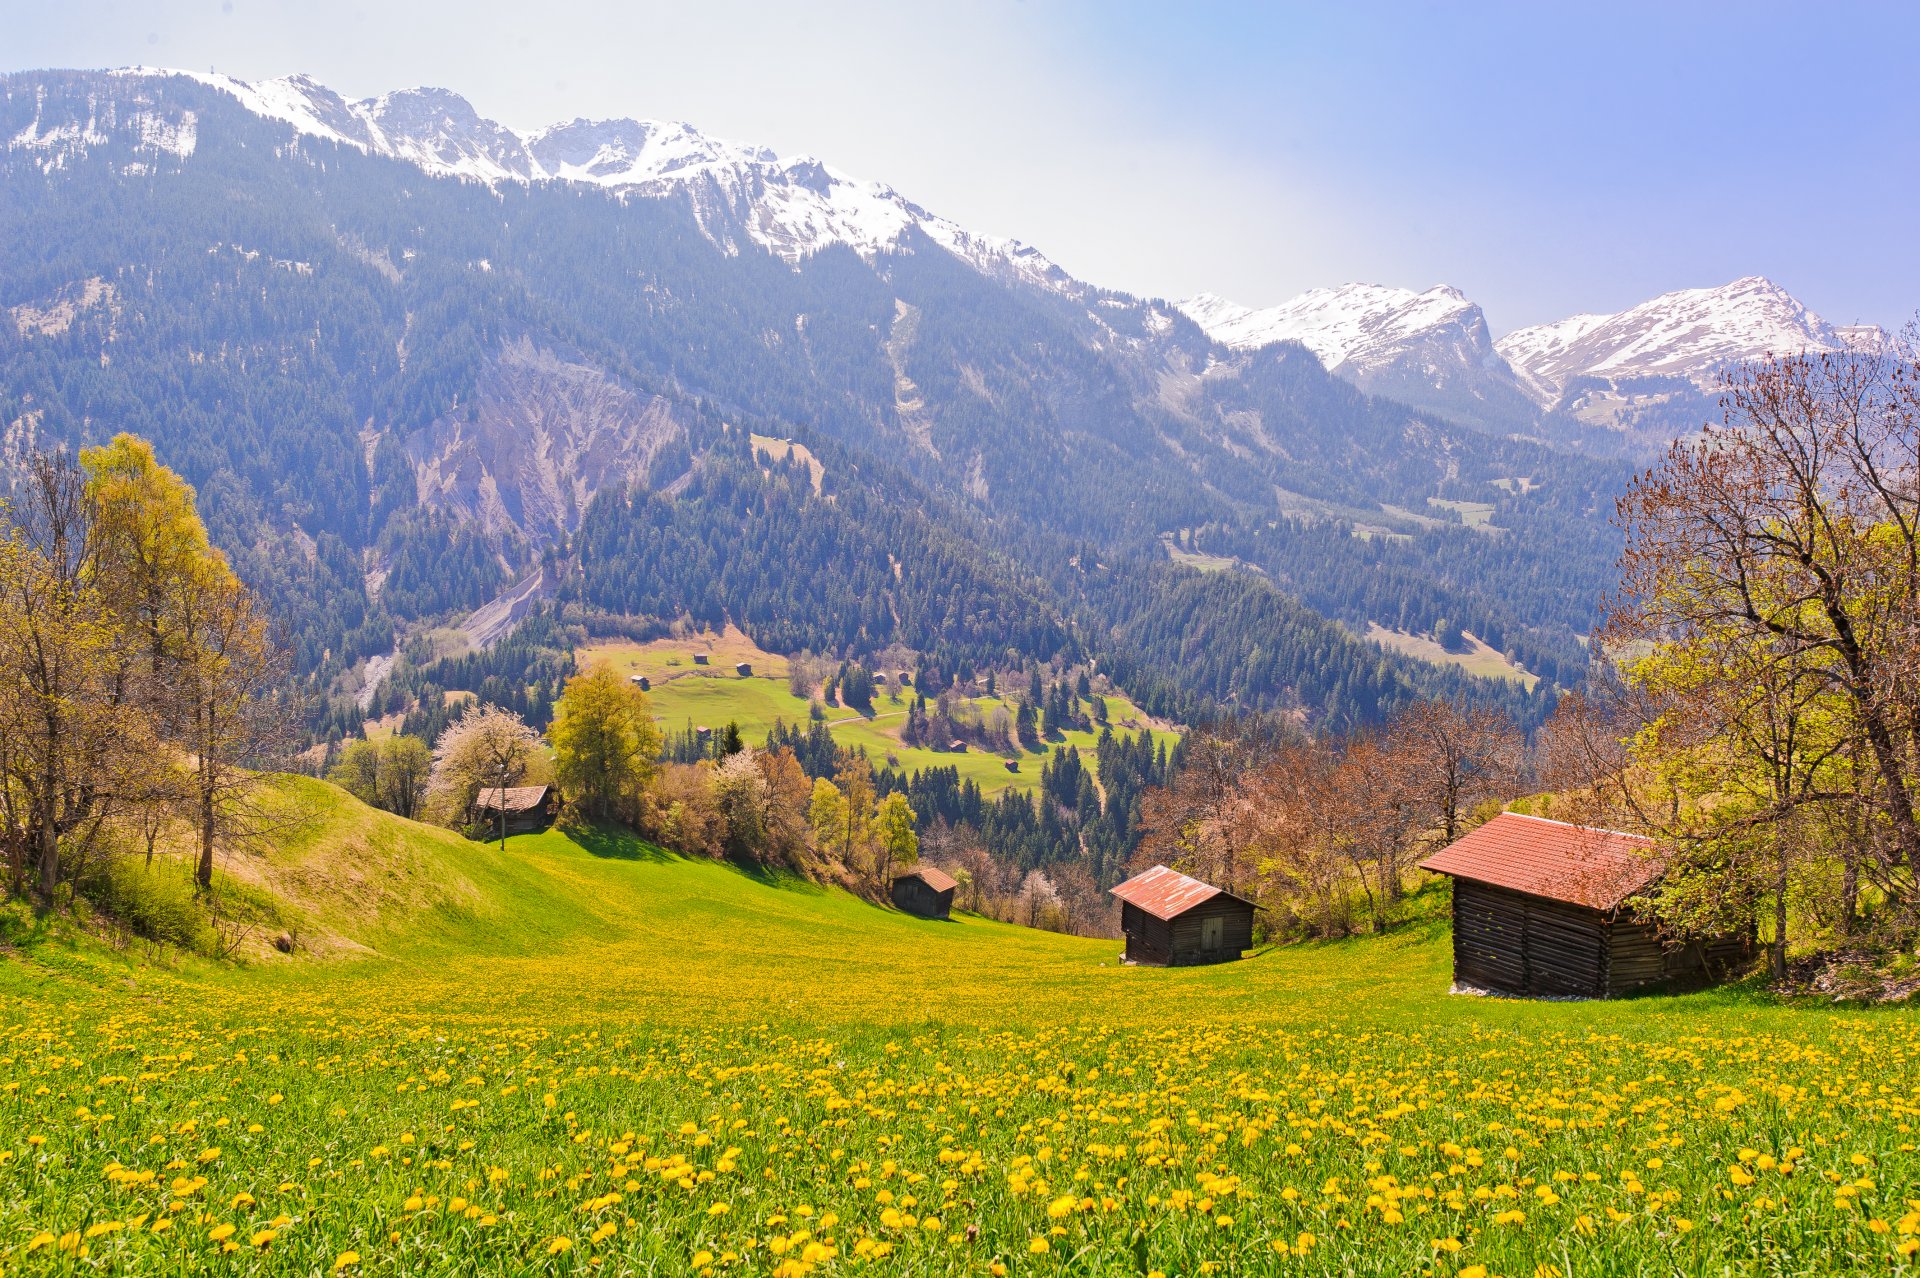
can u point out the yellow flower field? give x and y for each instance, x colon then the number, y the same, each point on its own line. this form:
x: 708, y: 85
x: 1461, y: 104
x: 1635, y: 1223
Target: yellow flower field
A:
x: 632, y: 1064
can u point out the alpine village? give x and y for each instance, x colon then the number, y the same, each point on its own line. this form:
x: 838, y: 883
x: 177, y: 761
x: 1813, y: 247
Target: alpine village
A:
x: 605, y: 700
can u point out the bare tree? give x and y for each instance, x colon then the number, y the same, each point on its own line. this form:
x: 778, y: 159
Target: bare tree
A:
x: 1793, y: 530
x: 1448, y: 758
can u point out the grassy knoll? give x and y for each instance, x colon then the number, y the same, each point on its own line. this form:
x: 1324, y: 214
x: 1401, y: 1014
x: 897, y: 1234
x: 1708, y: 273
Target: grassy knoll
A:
x: 588, y: 1054
x: 713, y: 696
x: 1479, y: 659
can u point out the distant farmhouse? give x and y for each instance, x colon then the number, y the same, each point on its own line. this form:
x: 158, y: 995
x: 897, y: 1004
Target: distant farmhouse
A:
x: 524, y: 808
x: 925, y: 891
x: 1540, y: 907
x: 1171, y: 920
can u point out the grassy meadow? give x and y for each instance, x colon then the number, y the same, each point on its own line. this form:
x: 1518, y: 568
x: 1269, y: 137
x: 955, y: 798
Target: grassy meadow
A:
x: 714, y: 695
x: 584, y: 1055
x: 1479, y: 659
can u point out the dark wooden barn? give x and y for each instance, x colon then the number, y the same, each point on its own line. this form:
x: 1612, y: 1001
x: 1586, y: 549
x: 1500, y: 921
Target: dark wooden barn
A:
x: 925, y: 891
x: 1540, y: 907
x: 1171, y: 920
x: 643, y: 683
x: 699, y: 658
x: 744, y: 669
x: 525, y: 808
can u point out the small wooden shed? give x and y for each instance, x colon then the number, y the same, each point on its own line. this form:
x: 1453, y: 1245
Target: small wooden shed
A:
x: 743, y: 669
x: 643, y: 683
x: 957, y: 746
x: 1012, y: 765
x: 699, y: 658
x: 925, y: 891
x: 1173, y: 920
x: 1540, y: 907
x: 524, y: 807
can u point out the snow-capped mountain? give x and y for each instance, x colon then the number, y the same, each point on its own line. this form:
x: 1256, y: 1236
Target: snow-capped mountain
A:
x: 1368, y: 325
x: 1692, y: 334
x: 1430, y: 349
x: 792, y: 206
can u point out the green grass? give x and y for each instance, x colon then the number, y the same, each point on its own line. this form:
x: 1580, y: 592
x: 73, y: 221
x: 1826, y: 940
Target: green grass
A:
x: 585, y: 1049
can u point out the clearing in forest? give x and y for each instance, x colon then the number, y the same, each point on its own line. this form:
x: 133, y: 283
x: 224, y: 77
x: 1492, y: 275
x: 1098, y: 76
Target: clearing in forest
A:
x: 1479, y: 659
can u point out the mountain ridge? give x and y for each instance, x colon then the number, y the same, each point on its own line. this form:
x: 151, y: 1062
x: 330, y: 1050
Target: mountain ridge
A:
x: 794, y: 205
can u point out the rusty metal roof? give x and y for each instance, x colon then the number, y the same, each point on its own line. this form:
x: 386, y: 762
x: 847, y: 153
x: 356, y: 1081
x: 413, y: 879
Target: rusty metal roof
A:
x: 938, y: 880
x: 515, y: 798
x: 1166, y: 893
x: 1575, y: 863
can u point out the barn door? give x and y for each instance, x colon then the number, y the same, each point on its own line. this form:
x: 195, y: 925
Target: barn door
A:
x: 1213, y: 933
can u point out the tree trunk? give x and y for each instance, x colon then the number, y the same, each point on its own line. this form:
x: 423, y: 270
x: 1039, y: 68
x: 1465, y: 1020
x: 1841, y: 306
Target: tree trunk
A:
x: 203, y: 872
x: 1849, y: 896
x: 1779, y: 948
x: 48, y: 857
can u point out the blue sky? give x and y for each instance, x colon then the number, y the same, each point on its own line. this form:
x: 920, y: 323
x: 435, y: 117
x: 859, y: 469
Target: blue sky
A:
x: 1545, y: 158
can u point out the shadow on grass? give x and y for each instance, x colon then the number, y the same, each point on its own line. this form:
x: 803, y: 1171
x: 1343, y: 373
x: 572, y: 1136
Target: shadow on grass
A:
x: 777, y: 877
x: 613, y: 843
x: 617, y: 843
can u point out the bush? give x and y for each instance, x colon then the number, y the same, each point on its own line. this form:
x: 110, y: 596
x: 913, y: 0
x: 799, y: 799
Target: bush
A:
x: 157, y: 901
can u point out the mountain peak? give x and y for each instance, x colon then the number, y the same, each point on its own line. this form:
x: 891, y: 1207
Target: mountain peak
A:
x: 1689, y: 333
x: 1361, y: 323
x: 792, y: 206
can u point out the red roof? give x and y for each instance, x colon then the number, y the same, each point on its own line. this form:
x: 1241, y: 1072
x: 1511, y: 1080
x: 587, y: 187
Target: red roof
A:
x: 938, y: 880
x: 1579, y: 864
x: 1166, y: 893
x: 515, y: 798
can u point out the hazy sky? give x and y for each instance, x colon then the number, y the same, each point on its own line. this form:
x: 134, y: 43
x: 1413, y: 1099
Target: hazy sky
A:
x: 1546, y: 157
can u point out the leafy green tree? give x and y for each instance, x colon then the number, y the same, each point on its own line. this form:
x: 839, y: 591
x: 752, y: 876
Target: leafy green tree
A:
x: 605, y: 744
x: 390, y: 774
x: 894, y: 837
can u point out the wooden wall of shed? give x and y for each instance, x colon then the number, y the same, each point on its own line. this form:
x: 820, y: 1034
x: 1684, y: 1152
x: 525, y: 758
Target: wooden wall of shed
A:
x: 1149, y: 939
x: 1488, y: 926
x: 914, y: 896
x: 1506, y: 940
x: 1236, y: 932
x: 1640, y: 957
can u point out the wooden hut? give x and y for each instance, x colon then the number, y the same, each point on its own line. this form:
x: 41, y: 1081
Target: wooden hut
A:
x: 957, y: 746
x: 1540, y: 907
x: 1012, y: 765
x: 744, y: 669
x: 925, y: 891
x: 699, y: 658
x: 524, y: 807
x: 643, y: 683
x: 1172, y: 920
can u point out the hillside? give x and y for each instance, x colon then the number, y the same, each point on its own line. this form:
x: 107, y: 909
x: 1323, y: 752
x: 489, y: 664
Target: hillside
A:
x: 608, y: 1055
x: 683, y: 694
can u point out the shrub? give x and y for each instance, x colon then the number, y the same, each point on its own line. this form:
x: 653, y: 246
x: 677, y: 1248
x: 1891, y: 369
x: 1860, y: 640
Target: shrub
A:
x: 156, y: 901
